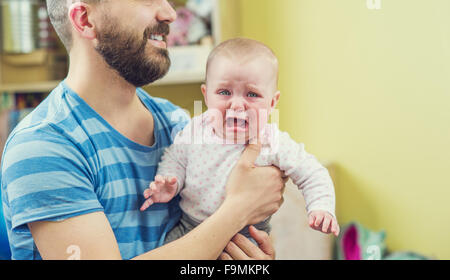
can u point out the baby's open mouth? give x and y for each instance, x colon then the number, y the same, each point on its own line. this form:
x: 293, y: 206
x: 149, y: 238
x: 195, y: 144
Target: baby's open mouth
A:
x: 236, y: 122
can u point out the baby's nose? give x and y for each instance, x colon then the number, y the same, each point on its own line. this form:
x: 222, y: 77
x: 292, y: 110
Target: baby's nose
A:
x: 238, y: 105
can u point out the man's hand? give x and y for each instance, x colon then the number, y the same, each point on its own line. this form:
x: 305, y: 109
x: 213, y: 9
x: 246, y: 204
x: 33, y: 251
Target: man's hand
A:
x: 160, y: 191
x: 241, y: 248
x: 324, y: 222
x: 254, y: 192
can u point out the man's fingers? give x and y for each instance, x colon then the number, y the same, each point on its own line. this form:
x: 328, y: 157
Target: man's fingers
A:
x: 225, y: 257
x: 250, y: 154
x: 248, y: 248
x: 235, y: 252
x: 263, y: 240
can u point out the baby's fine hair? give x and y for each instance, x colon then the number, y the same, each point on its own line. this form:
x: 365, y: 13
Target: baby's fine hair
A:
x: 243, y: 49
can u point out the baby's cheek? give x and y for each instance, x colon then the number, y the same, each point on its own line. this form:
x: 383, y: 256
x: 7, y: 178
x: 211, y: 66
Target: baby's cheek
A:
x: 263, y: 116
x: 216, y: 118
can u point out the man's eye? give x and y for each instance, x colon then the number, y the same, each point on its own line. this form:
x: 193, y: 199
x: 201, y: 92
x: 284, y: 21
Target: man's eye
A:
x: 252, y: 94
x: 224, y: 92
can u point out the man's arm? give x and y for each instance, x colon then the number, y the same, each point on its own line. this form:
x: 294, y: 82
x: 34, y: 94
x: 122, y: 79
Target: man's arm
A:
x: 253, y: 193
x: 90, y: 235
x: 93, y: 238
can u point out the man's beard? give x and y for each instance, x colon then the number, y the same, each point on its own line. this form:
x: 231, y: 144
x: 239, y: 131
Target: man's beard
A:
x: 126, y: 54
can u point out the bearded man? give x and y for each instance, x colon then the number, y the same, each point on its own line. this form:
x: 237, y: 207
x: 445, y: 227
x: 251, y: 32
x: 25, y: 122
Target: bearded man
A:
x: 73, y: 172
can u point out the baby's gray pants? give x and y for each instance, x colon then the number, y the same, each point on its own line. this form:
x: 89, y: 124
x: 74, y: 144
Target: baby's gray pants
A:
x: 186, y: 224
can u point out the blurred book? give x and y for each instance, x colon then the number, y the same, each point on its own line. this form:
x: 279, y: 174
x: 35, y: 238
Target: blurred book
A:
x: 13, y: 109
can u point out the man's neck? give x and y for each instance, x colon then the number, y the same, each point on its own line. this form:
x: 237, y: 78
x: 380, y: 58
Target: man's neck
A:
x: 110, y: 96
x: 99, y: 85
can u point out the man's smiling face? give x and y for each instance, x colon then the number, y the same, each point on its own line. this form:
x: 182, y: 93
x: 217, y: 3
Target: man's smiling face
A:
x: 132, y: 39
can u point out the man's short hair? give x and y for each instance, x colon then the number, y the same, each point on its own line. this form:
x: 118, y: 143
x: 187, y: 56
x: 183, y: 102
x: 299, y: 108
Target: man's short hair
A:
x: 58, y: 12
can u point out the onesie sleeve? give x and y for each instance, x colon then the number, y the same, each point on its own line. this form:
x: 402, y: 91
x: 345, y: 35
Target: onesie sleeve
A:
x: 307, y: 173
x: 175, y: 157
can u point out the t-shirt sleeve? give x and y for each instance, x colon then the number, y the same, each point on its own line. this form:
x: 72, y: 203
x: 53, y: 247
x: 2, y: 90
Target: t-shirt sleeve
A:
x: 46, y: 178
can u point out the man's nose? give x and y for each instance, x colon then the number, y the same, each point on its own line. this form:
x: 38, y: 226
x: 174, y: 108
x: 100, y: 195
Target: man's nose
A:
x: 166, y: 13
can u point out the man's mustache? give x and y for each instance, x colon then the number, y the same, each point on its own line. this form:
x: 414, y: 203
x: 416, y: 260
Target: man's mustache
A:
x: 160, y: 28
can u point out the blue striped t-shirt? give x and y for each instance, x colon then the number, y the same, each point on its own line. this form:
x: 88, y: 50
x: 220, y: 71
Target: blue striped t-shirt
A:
x: 65, y: 160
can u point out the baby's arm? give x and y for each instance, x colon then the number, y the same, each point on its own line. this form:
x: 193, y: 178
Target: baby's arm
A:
x: 171, y: 174
x: 314, y: 181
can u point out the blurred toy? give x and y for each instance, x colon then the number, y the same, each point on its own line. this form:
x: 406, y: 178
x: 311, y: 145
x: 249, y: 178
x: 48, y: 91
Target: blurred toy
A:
x: 197, y: 30
x: 179, y: 29
x: 187, y: 29
x: 357, y: 242
x: 202, y: 8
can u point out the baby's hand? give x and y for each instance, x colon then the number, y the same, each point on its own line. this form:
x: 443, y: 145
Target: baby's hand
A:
x: 162, y: 190
x: 324, y: 222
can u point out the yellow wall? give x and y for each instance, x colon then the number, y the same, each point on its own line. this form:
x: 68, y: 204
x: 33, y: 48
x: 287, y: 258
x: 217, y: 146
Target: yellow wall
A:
x: 369, y: 90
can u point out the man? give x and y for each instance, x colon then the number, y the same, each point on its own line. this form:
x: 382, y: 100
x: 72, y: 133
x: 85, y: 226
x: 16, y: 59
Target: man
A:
x: 74, y: 170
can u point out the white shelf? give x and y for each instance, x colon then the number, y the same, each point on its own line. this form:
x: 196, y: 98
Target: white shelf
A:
x: 188, y: 65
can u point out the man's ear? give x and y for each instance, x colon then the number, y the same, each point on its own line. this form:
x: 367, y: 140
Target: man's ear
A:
x: 203, y: 87
x: 79, y: 18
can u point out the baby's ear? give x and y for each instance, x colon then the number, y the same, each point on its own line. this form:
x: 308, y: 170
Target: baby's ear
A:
x: 275, y: 100
x: 203, y: 88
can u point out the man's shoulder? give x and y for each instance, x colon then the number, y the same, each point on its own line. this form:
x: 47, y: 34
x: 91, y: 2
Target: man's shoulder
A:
x: 49, y: 128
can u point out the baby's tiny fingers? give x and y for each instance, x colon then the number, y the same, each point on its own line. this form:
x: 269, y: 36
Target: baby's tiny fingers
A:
x: 326, y: 224
x: 159, y: 179
x: 147, y: 193
x: 172, y: 180
x: 155, y: 187
x: 311, y: 219
x: 319, y: 219
x: 146, y: 204
x: 335, y: 227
